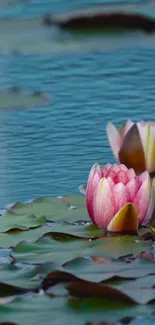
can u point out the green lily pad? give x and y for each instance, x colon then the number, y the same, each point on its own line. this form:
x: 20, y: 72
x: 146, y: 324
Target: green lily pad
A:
x: 60, y: 230
x: 54, y: 209
x: 26, y: 278
x: 11, y: 220
x: 62, y: 310
x: 47, y: 249
x: 89, y: 270
x: 13, y: 237
x: 60, y: 251
x: 80, y: 231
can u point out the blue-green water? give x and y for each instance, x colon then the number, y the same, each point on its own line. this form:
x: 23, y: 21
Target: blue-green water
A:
x: 49, y: 150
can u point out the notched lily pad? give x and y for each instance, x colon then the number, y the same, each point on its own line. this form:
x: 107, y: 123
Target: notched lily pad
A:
x: 55, y: 209
x: 47, y: 249
x: 10, y: 220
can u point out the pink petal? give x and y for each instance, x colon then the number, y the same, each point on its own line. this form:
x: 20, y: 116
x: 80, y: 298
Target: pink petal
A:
x: 120, y: 195
x: 110, y: 181
x: 116, y: 168
x: 108, y: 166
x: 131, y: 173
x: 93, y: 180
x: 111, y: 174
x: 105, y: 169
x: 144, y: 176
x: 103, y: 204
x: 114, y: 139
x: 132, y: 188
x: 121, y: 177
x: 105, y: 172
x: 123, y: 167
x: 151, y: 207
x: 142, y: 200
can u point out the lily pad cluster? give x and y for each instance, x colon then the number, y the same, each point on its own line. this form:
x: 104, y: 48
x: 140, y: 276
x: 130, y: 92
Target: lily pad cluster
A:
x: 57, y: 267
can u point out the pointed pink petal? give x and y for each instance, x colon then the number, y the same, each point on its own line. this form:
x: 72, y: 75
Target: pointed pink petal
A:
x: 114, y: 139
x: 116, y: 168
x: 105, y: 172
x: 123, y: 167
x: 120, y: 195
x: 93, y: 180
x: 121, y: 177
x: 108, y: 166
x: 111, y: 174
x: 151, y: 207
x: 103, y: 204
x: 145, y: 175
x: 132, y: 188
x: 131, y: 173
x: 142, y: 200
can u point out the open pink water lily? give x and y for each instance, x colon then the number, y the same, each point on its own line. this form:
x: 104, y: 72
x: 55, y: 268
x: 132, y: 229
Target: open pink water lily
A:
x: 117, y: 199
x: 134, y: 144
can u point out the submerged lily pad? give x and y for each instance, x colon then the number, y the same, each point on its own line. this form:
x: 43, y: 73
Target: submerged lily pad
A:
x: 10, y: 3
x: 18, y: 98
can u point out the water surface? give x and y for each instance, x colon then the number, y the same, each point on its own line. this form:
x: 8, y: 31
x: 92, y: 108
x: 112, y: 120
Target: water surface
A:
x: 49, y: 150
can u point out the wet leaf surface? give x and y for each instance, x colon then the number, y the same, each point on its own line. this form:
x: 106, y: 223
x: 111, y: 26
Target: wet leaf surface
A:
x: 61, y: 267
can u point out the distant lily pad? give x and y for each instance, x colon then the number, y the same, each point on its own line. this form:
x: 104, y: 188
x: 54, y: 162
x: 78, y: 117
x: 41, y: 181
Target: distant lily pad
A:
x: 10, y: 3
x: 18, y: 98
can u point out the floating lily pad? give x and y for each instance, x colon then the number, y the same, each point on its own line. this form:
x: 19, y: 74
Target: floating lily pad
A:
x: 13, y: 237
x: 20, y: 36
x: 11, y: 220
x: 28, y: 277
x: 54, y: 209
x: 111, y: 17
x: 18, y: 98
x: 47, y: 249
x: 34, y: 310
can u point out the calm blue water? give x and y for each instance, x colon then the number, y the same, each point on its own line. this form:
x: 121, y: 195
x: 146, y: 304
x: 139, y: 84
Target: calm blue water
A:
x: 49, y: 150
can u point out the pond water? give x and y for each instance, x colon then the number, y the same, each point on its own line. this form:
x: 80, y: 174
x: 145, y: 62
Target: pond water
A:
x: 49, y: 150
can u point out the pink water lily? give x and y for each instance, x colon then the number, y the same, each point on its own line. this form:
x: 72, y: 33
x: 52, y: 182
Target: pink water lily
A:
x: 134, y: 144
x: 117, y: 199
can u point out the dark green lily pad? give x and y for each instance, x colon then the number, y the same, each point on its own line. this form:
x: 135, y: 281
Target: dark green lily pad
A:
x: 28, y: 277
x: 40, y: 309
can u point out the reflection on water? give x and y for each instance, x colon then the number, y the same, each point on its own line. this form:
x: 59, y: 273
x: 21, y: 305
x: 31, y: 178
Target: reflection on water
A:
x: 49, y: 151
